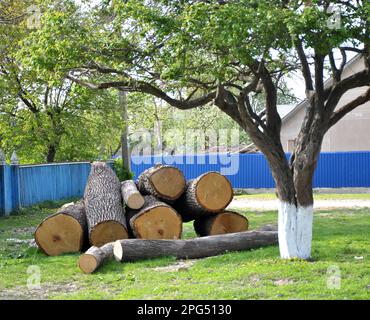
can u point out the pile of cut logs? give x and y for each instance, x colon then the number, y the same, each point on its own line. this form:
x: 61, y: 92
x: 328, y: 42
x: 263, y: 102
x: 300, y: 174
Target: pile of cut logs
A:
x: 143, y: 219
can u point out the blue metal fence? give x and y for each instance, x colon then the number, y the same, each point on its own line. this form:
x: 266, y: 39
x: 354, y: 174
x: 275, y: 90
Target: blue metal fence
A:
x: 22, y: 186
x: 334, y: 170
x: 52, y: 182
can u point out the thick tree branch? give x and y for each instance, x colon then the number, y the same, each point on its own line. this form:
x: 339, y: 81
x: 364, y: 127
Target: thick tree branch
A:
x: 360, y: 100
x: 358, y: 79
x: 149, y: 89
x: 305, y: 66
x: 319, y: 75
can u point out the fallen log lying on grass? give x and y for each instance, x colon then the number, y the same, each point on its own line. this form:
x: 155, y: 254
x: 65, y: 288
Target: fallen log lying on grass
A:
x: 93, y: 258
x: 221, y: 223
x: 131, y: 195
x: 208, y: 194
x: 166, y: 183
x: 138, y: 249
x: 155, y: 220
x: 64, y: 231
x: 103, y: 204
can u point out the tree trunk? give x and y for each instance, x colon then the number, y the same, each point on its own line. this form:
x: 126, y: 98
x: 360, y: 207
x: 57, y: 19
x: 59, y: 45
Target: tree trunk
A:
x: 135, y: 249
x: 93, y: 258
x: 50, y: 157
x: 166, y: 183
x: 155, y: 220
x: 295, y: 231
x: 126, y: 157
x: 222, y: 223
x: 64, y: 231
x: 206, y: 195
x: 131, y: 196
x: 103, y: 204
x: 296, y: 215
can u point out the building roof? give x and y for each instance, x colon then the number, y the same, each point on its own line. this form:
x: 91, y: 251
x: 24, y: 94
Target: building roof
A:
x: 288, y: 111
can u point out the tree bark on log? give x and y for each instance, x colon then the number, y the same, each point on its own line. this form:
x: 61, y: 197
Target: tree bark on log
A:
x: 155, y: 220
x: 206, y: 195
x: 64, y: 231
x: 221, y: 223
x: 93, y: 258
x: 137, y: 249
x: 131, y: 195
x: 166, y: 183
x: 103, y: 205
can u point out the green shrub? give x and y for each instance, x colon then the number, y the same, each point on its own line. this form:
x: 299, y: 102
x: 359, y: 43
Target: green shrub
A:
x: 122, y: 172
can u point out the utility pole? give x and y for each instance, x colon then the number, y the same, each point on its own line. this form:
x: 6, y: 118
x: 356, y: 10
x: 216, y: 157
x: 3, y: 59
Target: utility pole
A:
x: 126, y: 157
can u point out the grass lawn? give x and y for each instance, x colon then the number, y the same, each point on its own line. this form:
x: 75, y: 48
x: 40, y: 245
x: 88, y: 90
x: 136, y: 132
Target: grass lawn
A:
x: 317, y: 196
x: 341, y: 240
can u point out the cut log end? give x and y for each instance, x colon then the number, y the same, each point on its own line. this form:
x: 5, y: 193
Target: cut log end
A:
x: 229, y: 222
x: 222, y: 223
x: 169, y: 182
x: 135, y: 201
x: 107, y: 231
x: 118, y: 251
x: 214, y: 192
x: 161, y: 222
x: 59, y: 234
x: 131, y: 195
x: 93, y: 258
x: 88, y: 263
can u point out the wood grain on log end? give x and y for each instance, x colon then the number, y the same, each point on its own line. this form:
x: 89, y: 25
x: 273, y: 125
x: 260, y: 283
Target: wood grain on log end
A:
x: 88, y: 263
x: 214, y: 191
x: 64, y: 231
x: 135, y: 201
x: 207, y: 195
x: 222, y: 223
x: 59, y: 234
x: 161, y: 222
x: 93, y: 258
x: 169, y: 182
x: 164, y: 182
x: 131, y: 196
x: 107, y: 231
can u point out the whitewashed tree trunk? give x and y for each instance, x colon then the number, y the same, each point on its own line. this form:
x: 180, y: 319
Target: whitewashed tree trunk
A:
x: 295, y: 231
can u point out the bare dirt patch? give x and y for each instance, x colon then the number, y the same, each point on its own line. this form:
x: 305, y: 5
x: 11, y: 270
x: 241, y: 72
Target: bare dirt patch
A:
x: 21, y: 232
x: 45, y: 291
x: 283, y: 282
x: 181, y: 265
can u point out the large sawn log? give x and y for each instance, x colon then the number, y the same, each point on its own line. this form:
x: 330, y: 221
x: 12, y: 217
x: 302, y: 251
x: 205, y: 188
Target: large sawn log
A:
x: 103, y: 204
x: 221, y: 223
x: 155, y: 220
x: 206, y: 195
x: 64, y: 231
x: 166, y: 183
x: 138, y: 249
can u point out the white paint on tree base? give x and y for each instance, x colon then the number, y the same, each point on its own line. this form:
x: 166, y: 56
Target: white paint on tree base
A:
x: 295, y: 231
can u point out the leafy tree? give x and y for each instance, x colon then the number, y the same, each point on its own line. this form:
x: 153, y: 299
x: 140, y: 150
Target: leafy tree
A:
x: 122, y: 172
x: 50, y: 118
x: 224, y: 51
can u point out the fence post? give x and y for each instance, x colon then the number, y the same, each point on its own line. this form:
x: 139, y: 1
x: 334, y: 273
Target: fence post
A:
x: 14, y: 169
x: 2, y: 182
